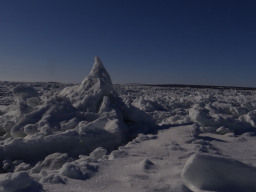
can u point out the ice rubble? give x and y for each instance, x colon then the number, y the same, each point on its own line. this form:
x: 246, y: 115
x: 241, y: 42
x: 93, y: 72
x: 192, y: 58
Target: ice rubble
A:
x: 216, y: 173
x: 214, y: 110
x: 52, y: 136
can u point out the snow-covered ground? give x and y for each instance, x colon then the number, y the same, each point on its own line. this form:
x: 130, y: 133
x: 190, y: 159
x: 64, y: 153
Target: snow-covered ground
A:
x: 96, y: 136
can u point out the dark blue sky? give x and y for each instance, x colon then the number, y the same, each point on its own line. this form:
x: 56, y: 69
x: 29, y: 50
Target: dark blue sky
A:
x: 143, y: 41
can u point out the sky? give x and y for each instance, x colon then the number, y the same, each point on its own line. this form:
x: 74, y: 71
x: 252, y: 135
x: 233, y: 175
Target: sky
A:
x: 206, y: 42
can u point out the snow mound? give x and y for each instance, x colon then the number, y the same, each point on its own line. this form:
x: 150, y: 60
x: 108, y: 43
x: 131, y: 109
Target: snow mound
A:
x: 54, y: 179
x: 98, y: 153
x: 20, y: 182
x: 24, y: 92
x: 82, y: 168
x: 51, y: 162
x: 147, y: 165
x: 212, y: 116
x: 215, y: 173
x: 26, y: 100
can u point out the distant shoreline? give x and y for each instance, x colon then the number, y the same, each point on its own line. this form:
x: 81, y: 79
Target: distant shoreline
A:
x: 142, y: 84
x: 191, y: 86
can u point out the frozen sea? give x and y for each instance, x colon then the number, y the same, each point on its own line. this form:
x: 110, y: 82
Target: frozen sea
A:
x: 96, y: 136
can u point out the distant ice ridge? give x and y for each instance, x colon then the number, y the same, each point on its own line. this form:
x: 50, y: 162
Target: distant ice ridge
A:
x: 73, y: 123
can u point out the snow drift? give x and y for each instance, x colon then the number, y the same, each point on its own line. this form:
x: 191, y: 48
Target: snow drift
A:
x: 216, y: 173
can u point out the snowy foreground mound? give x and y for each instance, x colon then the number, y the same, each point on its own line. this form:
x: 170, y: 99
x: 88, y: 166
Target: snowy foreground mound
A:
x: 47, y: 139
x: 215, y: 173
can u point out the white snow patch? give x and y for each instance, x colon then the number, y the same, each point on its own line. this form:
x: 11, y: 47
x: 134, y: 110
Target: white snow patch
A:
x: 215, y: 173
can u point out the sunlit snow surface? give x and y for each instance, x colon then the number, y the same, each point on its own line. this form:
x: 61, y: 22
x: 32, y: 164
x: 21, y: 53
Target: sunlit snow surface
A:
x: 96, y: 136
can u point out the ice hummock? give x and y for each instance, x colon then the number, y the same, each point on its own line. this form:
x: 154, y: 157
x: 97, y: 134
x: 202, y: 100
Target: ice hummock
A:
x: 98, y: 71
x: 90, y: 93
x: 71, y: 124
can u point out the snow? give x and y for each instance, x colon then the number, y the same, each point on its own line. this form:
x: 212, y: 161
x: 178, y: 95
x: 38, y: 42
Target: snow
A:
x: 147, y: 163
x: 89, y: 94
x: 216, y: 173
x: 103, y: 137
x: 20, y: 181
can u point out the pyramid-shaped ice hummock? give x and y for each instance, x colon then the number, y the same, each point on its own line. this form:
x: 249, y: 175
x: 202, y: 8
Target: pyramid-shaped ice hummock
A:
x: 93, y: 116
x: 89, y: 94
x: 99, y: 71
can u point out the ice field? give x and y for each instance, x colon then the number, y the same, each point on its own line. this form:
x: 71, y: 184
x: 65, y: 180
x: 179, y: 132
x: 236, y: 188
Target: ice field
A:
x: 98, y: 136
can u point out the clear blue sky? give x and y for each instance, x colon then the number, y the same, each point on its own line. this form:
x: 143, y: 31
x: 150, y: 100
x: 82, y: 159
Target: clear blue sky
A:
x: 143, y: 41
